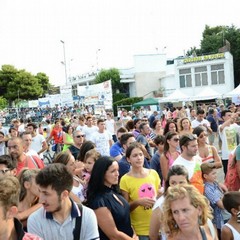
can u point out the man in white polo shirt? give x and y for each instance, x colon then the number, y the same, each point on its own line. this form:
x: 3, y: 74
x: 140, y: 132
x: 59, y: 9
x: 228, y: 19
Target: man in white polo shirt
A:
x: 59, y: 217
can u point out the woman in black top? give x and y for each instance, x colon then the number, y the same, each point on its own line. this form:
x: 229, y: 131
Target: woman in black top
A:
x: 111, y: 209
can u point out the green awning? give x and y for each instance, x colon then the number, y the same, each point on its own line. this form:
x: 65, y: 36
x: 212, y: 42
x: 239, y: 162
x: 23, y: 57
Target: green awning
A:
x: 146, y: 102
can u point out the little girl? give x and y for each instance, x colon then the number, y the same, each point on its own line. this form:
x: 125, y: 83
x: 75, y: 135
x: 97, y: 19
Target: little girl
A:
x: 90, y: 158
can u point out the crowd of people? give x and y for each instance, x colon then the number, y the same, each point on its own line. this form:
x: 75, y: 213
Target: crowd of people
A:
x: 144, y: 175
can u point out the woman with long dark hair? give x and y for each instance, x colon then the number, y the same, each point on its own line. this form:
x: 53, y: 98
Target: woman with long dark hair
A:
x: 110, y: 207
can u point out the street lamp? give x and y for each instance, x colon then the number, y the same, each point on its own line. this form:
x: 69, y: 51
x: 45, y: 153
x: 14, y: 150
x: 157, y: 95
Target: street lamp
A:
x: 98, y: 50
x: 64, y: 61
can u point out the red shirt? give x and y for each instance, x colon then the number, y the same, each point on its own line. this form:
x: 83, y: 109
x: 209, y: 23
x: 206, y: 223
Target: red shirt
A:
x: 30, y: 162
x: 57, y: 134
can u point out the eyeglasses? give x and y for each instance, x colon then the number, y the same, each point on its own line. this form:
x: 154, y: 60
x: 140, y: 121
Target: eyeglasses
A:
x: 80, y: 136
x: 176, y: 139
x: 3, y: 171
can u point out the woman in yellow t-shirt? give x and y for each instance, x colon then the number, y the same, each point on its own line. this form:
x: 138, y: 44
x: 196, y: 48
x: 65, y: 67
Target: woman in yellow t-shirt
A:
x: 139, y: 187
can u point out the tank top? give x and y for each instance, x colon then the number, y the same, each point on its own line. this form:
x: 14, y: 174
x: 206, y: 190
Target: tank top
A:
x: 235, y: 233
x: 210, y: 157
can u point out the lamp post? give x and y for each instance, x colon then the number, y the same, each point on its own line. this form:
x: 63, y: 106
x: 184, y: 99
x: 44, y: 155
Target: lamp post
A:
x: 64, y: 60
x: 98, y: 50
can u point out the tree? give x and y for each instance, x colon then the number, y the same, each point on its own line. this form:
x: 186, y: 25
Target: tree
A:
x: 43, y: 80
x: 215, y: 38
x: 20, y: 84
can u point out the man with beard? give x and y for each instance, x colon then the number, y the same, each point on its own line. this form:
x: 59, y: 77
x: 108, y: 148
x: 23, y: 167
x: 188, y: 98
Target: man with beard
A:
x: 188, y: 159
x: 16, y: 151
x: 59, y: 216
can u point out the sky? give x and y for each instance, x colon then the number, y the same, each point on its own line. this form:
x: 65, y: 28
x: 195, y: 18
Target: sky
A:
x: 102, y: 33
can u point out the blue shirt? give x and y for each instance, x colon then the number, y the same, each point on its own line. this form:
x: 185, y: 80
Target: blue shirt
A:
x: 116, y: 149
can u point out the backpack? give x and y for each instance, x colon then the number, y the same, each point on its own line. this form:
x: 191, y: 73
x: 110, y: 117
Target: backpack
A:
x: 232, y: 180
x: 78, y: 225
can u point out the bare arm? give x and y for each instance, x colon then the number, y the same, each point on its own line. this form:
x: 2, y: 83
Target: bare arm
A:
x: 155, y: 224
x: 108, y: 226
x: 217, y: 159
x: 164, y: 166
x: 44, y: 147
x: 226, y: 233
x: 26, y: 213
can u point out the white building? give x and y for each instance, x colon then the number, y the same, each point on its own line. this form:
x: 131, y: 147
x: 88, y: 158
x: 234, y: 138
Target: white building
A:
x: 154, y: 75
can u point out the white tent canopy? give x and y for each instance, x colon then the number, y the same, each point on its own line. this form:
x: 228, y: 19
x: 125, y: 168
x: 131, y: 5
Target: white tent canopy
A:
x: 234, y: 92
x: 205, y: 94
x: 176, y: 96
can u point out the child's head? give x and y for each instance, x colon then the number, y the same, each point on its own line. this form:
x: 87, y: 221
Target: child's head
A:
x: 159, y: 141
x: 209, y: 172
x: 231, y: 202
x: 91, y: 157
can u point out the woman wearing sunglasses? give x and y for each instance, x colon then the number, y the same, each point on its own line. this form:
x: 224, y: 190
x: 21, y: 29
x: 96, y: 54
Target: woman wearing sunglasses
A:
x: 208, y: 153
x: 170, y: 152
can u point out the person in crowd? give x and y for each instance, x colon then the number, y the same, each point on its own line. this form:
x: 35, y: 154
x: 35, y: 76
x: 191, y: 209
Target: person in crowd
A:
x: 104, y: 198
x: 152, y: 118
x: 185, y: 214
x: 188, y: 158
x: 192, y: 114
x: 57, y: 135
x: 68, y: 160
x: 11, y: 227
x: 116, y: 150
x: 111, y: 126
x: 40, y: 129
x: 136, y: 131
x: 13, y: 132
x: 231, y: 202
x: 229, y: 133
x: 89, y: 128
x: 130, y: 125
x: 163, y: 120
x: 140, y: 188
x: 78, y: 140
x: 185, y: 126
x: 177, y: 175
x: 59, y: 216
x: 124, y: 165
x: 212, y: 119
x: 157, y: 129
x: 208, y: 153
x: 170, y: 152
x: 171, y: 126
x: 214, y: 194
x: 39, y: 143
x: 144, y: 139
x: 2, y: 143
x: 201, y: 121
x: 27, y: 141
x: 159, y: 141
x: 16, y: 151
x: 102, y: 138
x: 81, y: 123
x: 67, y: 137
x: 28, y: 198
x: 8, y: 165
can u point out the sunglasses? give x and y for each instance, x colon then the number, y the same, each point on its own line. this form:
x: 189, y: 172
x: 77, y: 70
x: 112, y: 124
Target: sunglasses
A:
x: 3, y: 171
x: 176, y: 139
x: 80, y: 136
x: 204, y: 135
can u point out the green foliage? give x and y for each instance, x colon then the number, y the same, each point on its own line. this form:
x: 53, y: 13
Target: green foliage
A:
x: 113, y: 75
x: 119, y: 96
x: 215, y: 38
x: 20, y: 84
x: 43, y: 80
x: 3, y: 103
x: 126, y: 103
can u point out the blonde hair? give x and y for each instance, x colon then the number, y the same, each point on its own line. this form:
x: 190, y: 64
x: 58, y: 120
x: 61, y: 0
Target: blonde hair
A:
x: 180, y: 192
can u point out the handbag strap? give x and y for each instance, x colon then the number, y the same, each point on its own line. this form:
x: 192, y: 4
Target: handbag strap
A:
x: 78, y: 224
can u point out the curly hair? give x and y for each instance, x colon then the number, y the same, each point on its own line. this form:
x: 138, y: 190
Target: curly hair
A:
x: 181, y: 192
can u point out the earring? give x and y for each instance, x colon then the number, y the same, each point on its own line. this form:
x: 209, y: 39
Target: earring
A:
x: 200, y: 220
